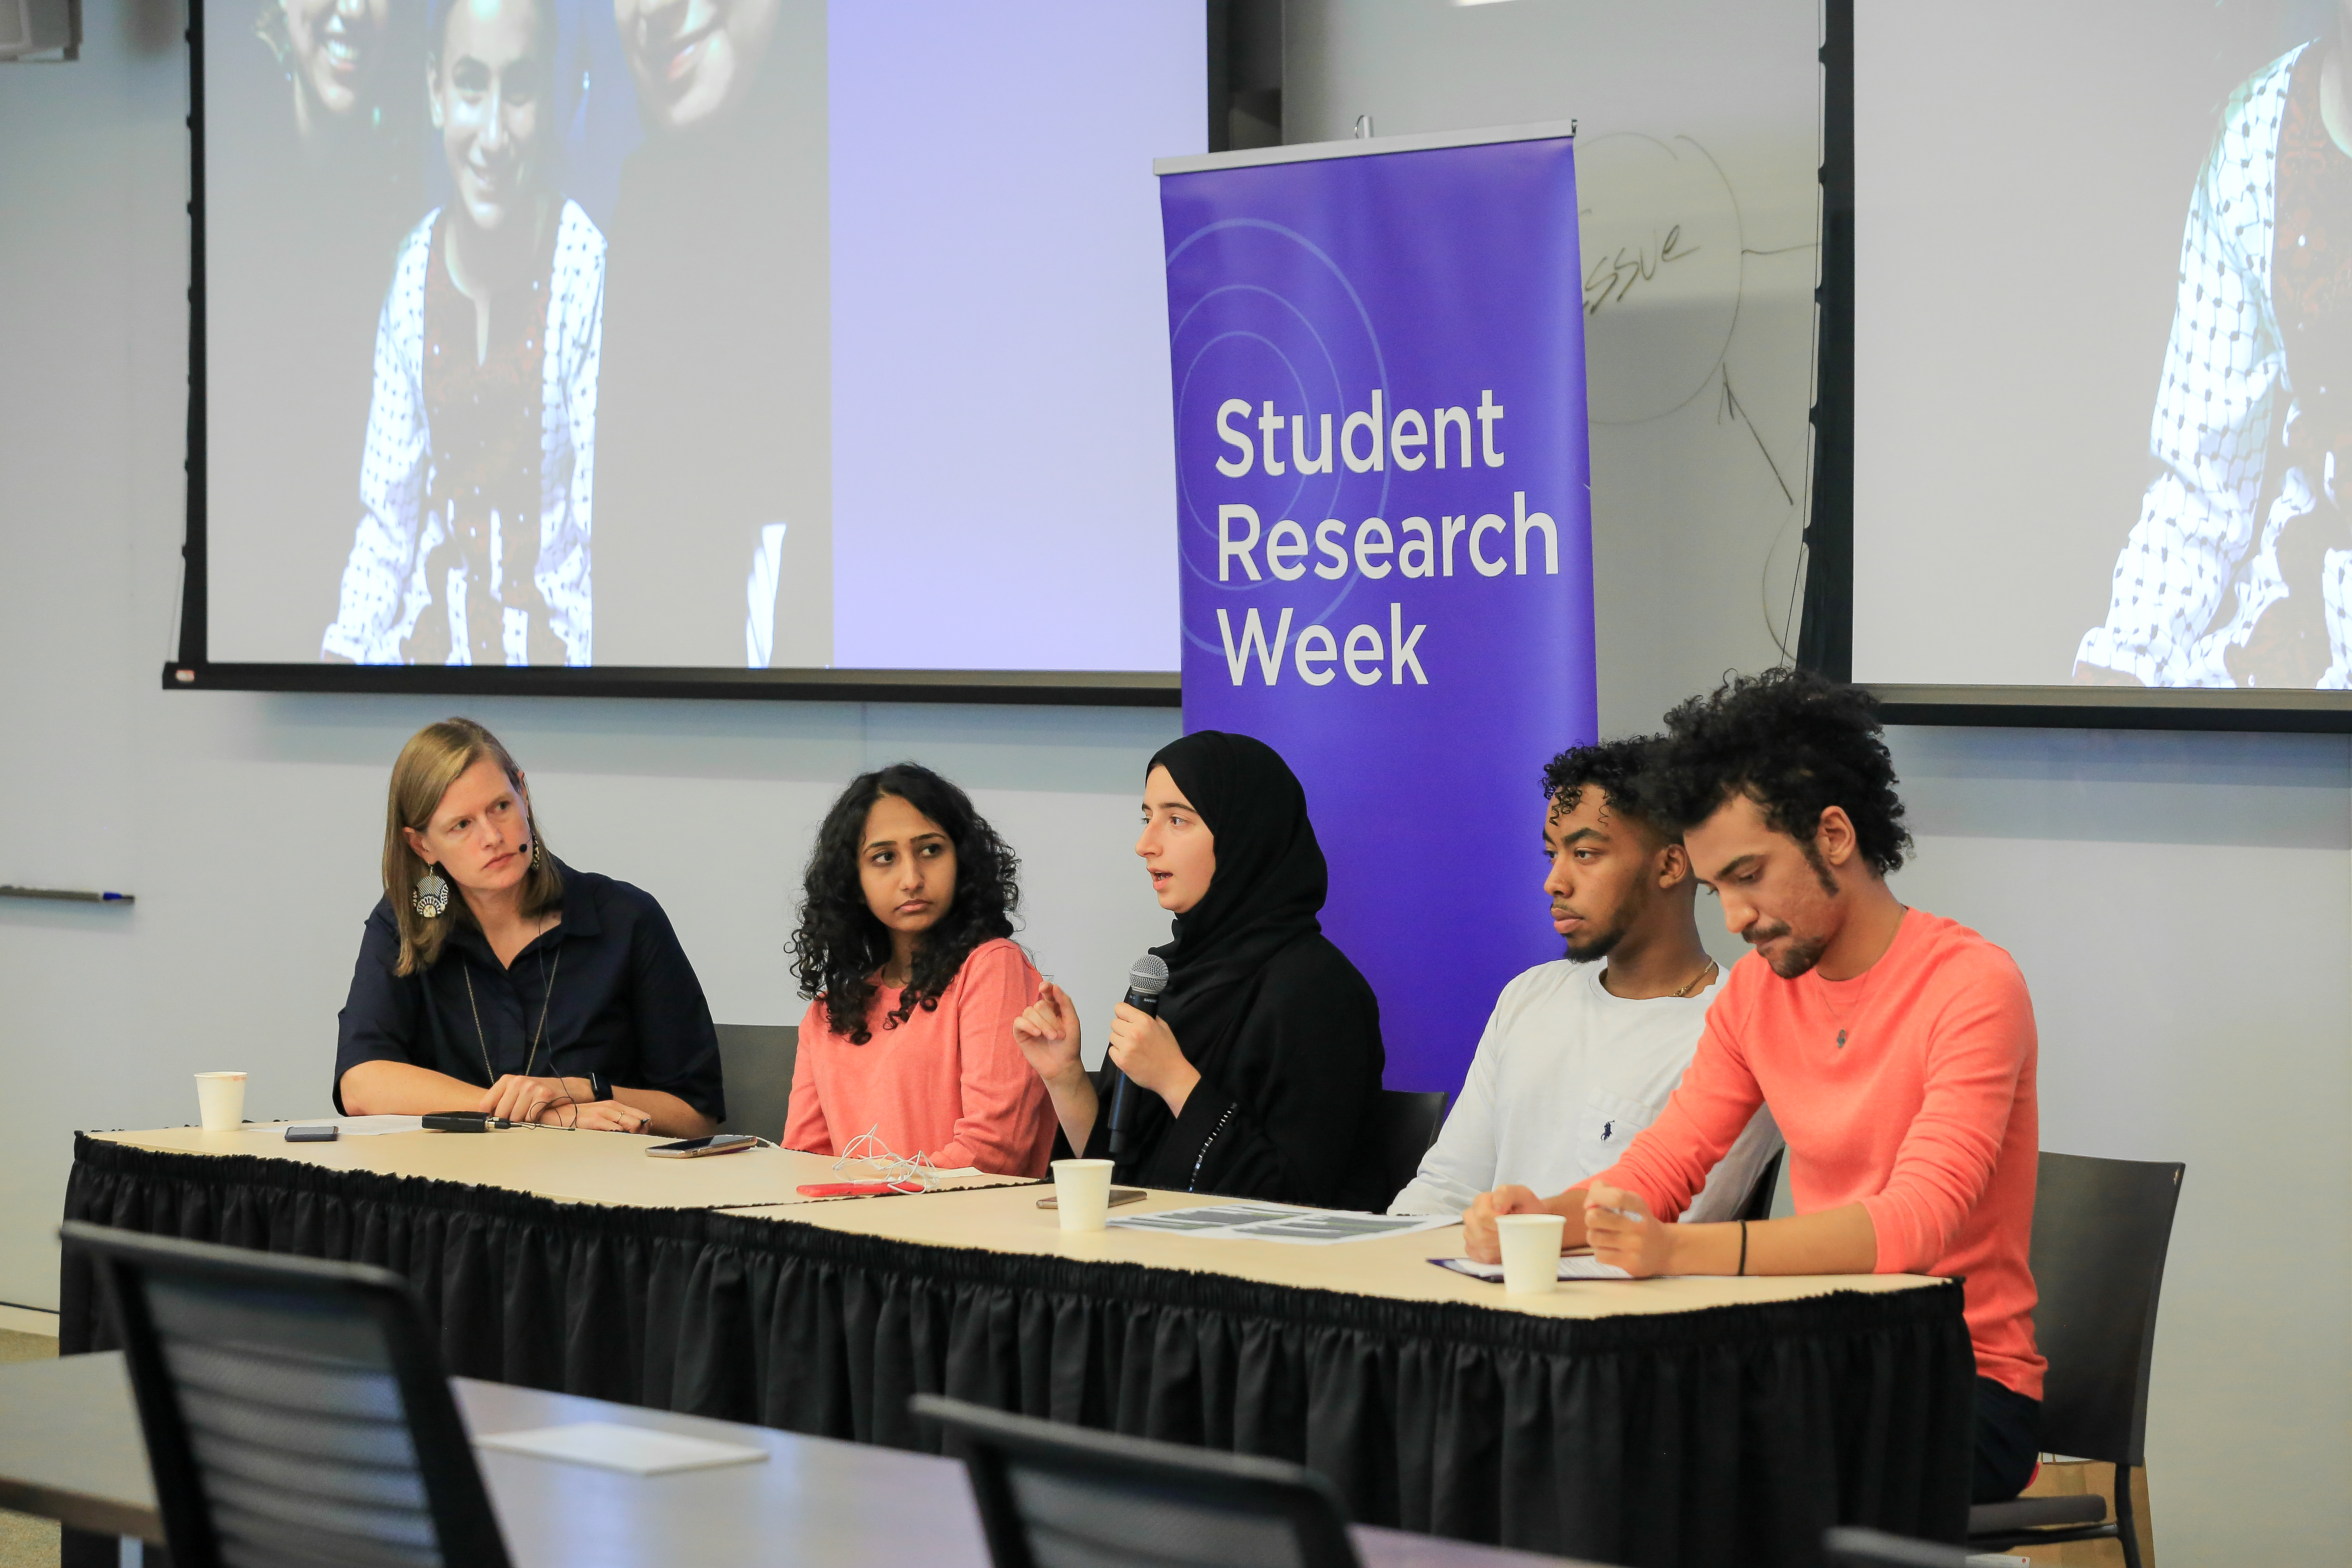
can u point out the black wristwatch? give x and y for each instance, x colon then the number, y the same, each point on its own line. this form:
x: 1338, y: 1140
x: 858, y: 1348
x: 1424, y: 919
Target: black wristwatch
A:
x: 598, y: 1088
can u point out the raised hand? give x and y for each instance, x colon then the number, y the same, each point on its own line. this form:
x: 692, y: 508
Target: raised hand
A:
x: 1048, y: 1034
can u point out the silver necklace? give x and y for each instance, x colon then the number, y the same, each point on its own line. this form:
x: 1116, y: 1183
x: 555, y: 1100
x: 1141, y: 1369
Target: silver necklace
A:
x: 1860, y: 1000
x: 547, y: 981
x: 1869, y: 979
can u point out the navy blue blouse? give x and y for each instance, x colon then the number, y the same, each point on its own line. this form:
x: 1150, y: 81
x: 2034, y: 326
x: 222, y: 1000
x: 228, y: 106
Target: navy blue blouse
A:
x: 619, y: 995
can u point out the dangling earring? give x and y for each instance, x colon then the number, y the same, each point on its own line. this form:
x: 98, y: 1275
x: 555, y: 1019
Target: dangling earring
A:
x: 534, y: 848
x: 431, y: 895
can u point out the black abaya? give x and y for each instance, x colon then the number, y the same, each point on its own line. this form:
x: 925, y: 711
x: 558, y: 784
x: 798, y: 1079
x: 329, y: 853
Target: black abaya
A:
x: 1284, y: 1031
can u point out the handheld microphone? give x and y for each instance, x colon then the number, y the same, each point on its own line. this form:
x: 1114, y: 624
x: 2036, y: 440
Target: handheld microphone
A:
x: 1146, y: 979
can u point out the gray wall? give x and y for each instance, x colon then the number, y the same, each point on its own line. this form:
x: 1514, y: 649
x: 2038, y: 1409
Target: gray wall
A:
x: 2182, y: 905
x: 1697, y: 133
x: 249, y: 825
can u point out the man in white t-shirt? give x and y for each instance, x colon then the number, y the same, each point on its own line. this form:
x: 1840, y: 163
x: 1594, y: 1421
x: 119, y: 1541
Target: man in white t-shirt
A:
x: 1578, y: 1055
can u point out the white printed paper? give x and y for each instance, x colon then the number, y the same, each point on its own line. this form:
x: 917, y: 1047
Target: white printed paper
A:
x: 639, y: 1450
x: 1572, y: 1266
x: 1331, y: 1227
x: 1205, y: 1217
x: 1279, y: 1222
x: 346, y: 1126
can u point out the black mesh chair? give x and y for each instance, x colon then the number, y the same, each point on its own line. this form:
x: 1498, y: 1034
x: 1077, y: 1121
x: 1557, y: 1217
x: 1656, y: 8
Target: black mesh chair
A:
x: 1068, y: 1496
x: 295, y: 1410
x: 756, y: 1060
x: 1850, y: 1547
x: 1405, y: 1122
x: 2101, y: 1228
x: 1758, y: 1206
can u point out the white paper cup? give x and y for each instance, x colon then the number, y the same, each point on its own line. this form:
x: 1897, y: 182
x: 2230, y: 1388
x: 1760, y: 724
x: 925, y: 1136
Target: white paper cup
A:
x: 1082, y: 1192
x: 220, y: 1100
x: 1530, y: 1251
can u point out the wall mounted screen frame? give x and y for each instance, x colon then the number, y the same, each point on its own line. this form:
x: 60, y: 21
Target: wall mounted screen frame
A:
x: 1827, y: 638
x: 196, y: 667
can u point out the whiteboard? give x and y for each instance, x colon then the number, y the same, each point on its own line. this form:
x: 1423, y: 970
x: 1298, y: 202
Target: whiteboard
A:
x: 1697, y: 169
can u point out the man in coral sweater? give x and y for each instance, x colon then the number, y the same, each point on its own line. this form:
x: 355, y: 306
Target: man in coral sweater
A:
x: 1895, y: 1049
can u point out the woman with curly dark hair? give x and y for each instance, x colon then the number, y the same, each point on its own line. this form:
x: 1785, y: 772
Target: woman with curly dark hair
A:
x: 906, y: 951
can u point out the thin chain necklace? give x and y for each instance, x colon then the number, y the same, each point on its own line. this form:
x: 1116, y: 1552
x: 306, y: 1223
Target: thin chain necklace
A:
x: 1865, y: 981
x: 547, y: 981
x: 1698, y: 981
x: 1690, y: 987
x: 1862, y: 998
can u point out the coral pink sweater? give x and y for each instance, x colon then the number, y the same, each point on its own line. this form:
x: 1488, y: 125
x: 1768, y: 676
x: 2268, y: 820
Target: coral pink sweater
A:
x: 1925, y: 1116
x: 949, y: 1083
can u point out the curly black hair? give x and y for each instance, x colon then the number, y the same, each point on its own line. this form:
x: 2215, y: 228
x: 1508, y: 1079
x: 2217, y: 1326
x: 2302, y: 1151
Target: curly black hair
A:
x: 840, y: 944
x: 1620, y: 770
x: 1796, y: 744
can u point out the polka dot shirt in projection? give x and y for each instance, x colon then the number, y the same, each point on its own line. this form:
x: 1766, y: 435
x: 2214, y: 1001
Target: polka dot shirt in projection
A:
x: 2203, y: 563
x: 433, y: 575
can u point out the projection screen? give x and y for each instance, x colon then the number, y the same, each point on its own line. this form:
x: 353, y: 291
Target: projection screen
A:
x: 744, y: 337
x: 2103, y: 287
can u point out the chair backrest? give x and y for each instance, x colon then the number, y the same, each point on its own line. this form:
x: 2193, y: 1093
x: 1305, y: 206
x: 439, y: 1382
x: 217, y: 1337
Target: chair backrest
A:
x: 1849, y: 1546
x: 1066, y: 1497
x: 1758, y: 1206
x: 295, y: 1410
x: 1405, y: 1122
x: 758, y: 1061
x: 2101, y: 1228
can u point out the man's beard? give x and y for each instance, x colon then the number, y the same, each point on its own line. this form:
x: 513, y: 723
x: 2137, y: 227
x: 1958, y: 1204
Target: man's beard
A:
x: 1792, y: 960
x: 1601, y: 944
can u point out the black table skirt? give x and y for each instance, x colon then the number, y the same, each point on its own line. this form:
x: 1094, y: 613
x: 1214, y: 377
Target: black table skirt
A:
x: 1728, y: 1435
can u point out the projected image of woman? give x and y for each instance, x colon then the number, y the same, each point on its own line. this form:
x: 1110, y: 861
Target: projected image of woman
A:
x: 313, y: 131
x: 712, y: 349
x: 479, y: 473
x: 694, y: 61
x: 2237, y: 572
x: 334, y: 54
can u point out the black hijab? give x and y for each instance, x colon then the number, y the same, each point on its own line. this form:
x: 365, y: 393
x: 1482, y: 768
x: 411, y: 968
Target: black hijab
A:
x: 1285, y: 1032
x: 1269, y: 883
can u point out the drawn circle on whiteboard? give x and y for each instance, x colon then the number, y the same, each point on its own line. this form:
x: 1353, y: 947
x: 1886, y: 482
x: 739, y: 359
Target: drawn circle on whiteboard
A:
x: 1660, y: 235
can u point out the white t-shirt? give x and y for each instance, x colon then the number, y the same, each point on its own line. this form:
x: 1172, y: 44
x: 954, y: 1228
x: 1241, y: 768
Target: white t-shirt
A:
x: 1565, y: 1076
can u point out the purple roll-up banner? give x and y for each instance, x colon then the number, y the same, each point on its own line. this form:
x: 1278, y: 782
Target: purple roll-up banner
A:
x: 1378, y: 351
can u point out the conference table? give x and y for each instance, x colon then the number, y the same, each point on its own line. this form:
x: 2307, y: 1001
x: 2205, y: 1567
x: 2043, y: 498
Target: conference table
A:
x: 70, y: 1449
x: 1665, y: 1422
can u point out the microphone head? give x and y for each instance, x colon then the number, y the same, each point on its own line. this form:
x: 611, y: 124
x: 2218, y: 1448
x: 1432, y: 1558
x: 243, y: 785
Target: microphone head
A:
x: 1148, y: 977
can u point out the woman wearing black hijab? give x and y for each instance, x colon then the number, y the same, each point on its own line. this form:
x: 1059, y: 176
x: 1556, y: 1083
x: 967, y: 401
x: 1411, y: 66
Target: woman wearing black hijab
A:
x: 1261, y: 1071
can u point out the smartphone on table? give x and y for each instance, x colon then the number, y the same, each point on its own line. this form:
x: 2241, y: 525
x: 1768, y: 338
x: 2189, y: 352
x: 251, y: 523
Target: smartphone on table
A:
x: 694, y: 1148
